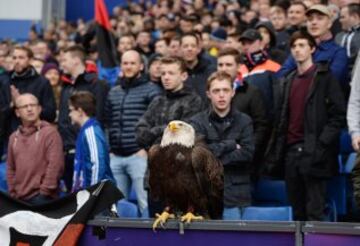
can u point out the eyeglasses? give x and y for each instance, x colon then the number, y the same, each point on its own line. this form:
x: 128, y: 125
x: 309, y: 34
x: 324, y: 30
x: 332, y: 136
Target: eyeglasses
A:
x: 30, y: 105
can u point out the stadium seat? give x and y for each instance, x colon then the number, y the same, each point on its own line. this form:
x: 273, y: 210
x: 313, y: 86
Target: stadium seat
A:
x: 3, y: 183
x: 350, y: 163
x: 345, y: 142
x: 269, y: 192
x: 345, y: 150
x: 337, y: 191
x: 283, y: 213
x: 127, y: 209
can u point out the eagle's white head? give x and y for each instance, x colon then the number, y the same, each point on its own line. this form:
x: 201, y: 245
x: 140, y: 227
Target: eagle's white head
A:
x: 178, y: 132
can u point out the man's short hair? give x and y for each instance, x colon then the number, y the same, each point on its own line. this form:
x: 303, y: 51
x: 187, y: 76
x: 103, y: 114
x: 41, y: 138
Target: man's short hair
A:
x: 302, y: 35
x: 27, y: 50
x: 354, y: 9
x: 84, y: 100
x: 299, y: 3
x: 127, y: 35
x: 190, y: 34
x: 220, y: 75
x: 174, y: 60
x: 277, y: 9
x: 77, y: 51
x: 166, y: 40
x: 230, y: 52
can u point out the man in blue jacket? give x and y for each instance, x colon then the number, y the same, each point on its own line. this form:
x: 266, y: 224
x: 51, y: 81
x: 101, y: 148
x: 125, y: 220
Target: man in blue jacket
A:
x: 124, y: 106
x: 319, y: 26
x: 92, y: 161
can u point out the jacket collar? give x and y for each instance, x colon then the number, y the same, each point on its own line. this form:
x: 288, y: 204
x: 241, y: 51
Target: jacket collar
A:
x: 127, y: 83
x: 180, y: 93
x: 28, y: 73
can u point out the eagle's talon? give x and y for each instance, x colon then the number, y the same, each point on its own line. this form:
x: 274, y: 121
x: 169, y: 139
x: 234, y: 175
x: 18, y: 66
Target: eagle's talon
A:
x: 161, y: 220
x: 187, y: 218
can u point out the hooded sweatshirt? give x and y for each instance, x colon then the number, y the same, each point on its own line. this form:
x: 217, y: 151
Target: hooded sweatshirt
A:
x: 35, y: 161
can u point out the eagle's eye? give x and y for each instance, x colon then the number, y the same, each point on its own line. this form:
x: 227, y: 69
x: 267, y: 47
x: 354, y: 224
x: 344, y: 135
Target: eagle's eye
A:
x: 180, y: 124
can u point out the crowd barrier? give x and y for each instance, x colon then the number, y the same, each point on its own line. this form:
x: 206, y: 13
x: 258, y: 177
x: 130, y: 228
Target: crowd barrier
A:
x: 109, y: 231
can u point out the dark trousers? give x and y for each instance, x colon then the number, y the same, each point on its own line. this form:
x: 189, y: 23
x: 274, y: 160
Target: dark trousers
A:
x: 306, y: 194
x: 39, y: 199
x: 69, y: 170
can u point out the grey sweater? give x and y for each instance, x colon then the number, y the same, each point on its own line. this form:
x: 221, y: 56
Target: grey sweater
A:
x: 353, y: 113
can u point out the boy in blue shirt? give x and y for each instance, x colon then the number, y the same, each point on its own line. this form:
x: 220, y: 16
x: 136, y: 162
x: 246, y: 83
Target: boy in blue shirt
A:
x: 92, y: 161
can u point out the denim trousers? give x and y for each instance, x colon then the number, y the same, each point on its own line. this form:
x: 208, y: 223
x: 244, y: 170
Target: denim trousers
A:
x: 129, y: 172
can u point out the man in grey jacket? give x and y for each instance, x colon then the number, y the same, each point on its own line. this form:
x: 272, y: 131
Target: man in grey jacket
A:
x: 353, y: 120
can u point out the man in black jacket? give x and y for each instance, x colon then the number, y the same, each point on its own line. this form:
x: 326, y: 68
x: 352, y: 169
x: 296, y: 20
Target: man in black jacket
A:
x: 73, y: 62
x: 249, y: 100
x: 311, y: 116
x: 198, y: 67
x: 24, y: 79
x: 229, y: 135
x: 178, y: 103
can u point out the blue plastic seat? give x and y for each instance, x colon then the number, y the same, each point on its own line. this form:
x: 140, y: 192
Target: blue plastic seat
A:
x: 3, y: 183
x: 127, y: 209
x: 269, y: 192
x: 345, y: 151
x: 337, y: 191
x: 283, y: 213
x: 350, y: 163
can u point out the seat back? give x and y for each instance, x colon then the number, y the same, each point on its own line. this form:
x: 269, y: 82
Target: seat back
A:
x: 269, y: 192
x: 127, y: 209
x: 283, y: 213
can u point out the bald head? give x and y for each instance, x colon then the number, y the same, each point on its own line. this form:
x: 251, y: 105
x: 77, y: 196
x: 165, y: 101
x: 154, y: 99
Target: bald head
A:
x: 26, y: 97
x: 131, y: 64
x: 131, y: 54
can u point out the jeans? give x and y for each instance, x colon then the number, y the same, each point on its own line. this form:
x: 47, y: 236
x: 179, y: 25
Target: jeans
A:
x: 129, y: 172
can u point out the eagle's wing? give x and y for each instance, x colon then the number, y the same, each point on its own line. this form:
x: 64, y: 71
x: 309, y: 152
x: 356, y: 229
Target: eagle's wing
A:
x: 209, y: 174
x: 156, y: 172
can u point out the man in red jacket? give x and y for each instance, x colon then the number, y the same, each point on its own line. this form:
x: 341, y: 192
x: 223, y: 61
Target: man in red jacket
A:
x: 35, y: 155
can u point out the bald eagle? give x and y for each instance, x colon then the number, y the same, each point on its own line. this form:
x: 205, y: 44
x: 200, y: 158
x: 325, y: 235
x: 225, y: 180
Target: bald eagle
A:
x: 185, y: 175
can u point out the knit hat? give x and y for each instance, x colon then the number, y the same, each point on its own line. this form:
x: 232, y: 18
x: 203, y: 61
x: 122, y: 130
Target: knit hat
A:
x: 219, y: 34
x: 49, y: 66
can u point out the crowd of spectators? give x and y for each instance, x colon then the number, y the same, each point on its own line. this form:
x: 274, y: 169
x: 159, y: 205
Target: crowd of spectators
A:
x: 292, y: 95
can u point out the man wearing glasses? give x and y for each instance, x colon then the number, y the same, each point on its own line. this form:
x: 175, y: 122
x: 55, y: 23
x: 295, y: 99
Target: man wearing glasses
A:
x: 35, y: 158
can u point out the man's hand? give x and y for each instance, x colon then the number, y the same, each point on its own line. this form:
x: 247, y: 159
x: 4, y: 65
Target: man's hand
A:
x: 356, y: 143
x: 14, y: 93
x: 141, y: 153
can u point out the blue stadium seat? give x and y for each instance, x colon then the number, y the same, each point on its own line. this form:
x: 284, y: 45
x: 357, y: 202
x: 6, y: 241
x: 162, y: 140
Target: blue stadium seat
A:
x: 3, y: 183
x: 269, y: 192
x: 350, y: 163
x: 345, y: 150
x: 337, y: 191
x: 345, y: 142
x: 127, y: 209
x: 283, y: 213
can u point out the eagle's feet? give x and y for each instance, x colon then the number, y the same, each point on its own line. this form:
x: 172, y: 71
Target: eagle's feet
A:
x: 161, y: 219
x: 187, y: 218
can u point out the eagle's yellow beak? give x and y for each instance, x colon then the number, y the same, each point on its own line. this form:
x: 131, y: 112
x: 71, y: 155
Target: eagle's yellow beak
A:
x: 173, y: 126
